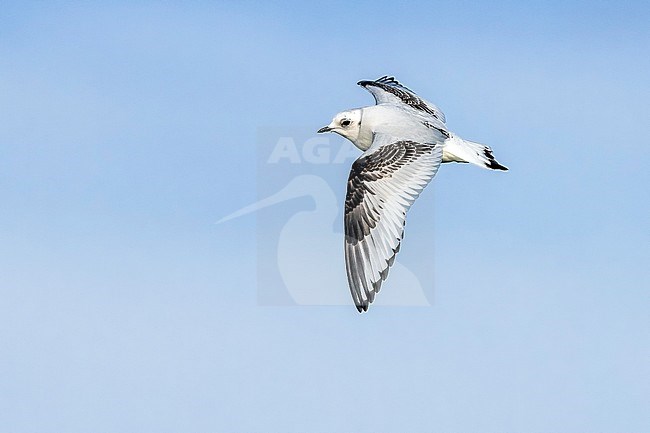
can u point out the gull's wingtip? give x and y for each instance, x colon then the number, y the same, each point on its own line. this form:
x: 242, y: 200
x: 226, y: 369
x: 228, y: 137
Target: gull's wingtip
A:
x: 382, y: 79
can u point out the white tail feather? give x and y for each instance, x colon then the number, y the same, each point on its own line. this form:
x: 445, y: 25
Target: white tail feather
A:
x: 458, y: 150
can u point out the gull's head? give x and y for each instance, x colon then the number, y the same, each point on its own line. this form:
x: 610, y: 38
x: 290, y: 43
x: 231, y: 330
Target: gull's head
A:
x: 347, y: 124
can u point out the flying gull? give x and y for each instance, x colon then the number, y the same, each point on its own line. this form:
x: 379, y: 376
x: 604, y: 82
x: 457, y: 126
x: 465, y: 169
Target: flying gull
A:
x: 404, y: 139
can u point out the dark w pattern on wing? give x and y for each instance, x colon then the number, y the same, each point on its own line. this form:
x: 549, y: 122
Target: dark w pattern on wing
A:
x: 403, y: 93
x: 382, y: 187
x: 381, y: 164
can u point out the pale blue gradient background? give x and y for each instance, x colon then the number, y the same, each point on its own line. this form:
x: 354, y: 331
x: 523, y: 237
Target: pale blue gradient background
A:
x: 128, y: 129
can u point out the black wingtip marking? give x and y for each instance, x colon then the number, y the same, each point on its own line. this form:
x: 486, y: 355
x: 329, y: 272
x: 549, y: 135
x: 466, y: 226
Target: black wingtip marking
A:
x: 403, y: 93
x: 386, y: 79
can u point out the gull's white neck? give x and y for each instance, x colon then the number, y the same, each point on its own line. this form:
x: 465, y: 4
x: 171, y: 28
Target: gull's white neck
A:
x: 364, y: 139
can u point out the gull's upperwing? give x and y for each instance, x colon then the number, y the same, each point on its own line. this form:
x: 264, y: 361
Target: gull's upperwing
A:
x: 388, y: 90
x: 383, y: 184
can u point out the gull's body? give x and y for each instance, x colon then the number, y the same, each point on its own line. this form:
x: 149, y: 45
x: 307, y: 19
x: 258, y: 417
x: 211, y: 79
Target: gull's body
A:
x: 392, y: 120
x: 404, y: 139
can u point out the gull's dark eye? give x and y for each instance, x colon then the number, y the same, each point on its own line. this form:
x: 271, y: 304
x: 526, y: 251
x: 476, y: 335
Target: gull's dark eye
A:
x: 345, y: 122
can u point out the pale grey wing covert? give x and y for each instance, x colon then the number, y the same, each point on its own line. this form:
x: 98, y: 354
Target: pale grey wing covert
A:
x: 383, y: 184
x: 388, y: 90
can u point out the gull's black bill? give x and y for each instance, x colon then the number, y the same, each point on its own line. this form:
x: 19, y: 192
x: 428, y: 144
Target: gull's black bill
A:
x: 324, y: 129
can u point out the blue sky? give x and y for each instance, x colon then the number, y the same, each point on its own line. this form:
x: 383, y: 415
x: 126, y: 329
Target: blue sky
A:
x: 129, y: 128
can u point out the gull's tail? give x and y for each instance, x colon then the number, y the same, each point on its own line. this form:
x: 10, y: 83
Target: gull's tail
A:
x: 458, y: 150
